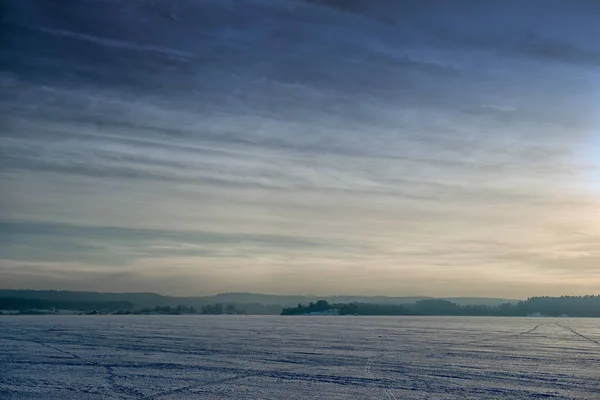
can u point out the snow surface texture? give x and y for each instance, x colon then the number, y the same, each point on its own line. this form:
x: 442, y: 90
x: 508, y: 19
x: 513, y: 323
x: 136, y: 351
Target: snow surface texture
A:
x: 247, y: 357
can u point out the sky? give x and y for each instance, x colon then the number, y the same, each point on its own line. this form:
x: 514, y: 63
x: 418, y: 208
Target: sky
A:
x: 307, y: 147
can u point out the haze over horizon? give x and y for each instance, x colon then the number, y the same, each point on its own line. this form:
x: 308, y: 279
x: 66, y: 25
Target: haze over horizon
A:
x: 287, y: 146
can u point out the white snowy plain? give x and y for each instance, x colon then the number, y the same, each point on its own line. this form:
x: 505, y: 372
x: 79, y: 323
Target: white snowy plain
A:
x: 319, y: 357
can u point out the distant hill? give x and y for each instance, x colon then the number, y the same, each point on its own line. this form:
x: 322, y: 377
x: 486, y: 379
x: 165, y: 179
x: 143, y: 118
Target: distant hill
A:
x: 251, y: 302
x: 140, y: 300
x: 479, y: 301
x: 288, y: 300
x: 574, y: 306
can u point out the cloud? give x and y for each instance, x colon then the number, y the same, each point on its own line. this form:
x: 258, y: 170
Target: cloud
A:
x: 289, y: 139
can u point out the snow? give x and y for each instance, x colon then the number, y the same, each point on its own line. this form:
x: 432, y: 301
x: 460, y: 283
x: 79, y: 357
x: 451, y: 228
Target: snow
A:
x: 329, y: 312
x: 252, y: 357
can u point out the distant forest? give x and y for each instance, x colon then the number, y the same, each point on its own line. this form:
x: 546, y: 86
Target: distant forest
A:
x: 37, y: 306
x: 572, y: 306
x: 248, y: 303
x: 44, y: 301
x: 10, y: 303
x: 28, y: 301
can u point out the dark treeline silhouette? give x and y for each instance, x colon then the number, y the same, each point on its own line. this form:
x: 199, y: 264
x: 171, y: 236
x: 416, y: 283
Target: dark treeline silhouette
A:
x: 140, y: 301
x: 573, y: 306
x: 260, y: 303
x: 32, y: 306
x: 8, y: 303
x: 213, y: 309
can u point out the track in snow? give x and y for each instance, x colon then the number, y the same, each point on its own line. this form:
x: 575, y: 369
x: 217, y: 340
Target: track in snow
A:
x: 390, y: 394
x: 168, y: 358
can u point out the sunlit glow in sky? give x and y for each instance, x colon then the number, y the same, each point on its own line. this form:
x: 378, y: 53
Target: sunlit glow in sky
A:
x: 288, y: 146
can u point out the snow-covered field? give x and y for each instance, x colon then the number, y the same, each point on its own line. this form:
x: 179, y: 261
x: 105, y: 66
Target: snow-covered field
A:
x: 248, y: 357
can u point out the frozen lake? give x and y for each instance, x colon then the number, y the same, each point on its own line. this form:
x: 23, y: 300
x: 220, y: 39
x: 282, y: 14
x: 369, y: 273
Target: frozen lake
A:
x: 251, y: 357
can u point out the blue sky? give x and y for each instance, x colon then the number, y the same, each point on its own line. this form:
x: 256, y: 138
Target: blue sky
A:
x: 183, y: 147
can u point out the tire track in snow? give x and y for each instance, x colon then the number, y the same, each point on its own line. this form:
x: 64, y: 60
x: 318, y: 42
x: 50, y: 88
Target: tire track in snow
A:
x: 62, y: 351
x: 118, y: 388
x: 200, y: 385
x: 110, y: 375
x: 157, y: 396
x: 531, y: 330
x: 584, y: 337
x: 390, y: 395
x: 429, y: 350
x: 489, y: 338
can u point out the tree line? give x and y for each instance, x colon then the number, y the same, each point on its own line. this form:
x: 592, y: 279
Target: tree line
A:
x: 84, y: 301
x: 572, y: 306
x: 212, y: 309
x: 9, y: 303
x: 24, y: 305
